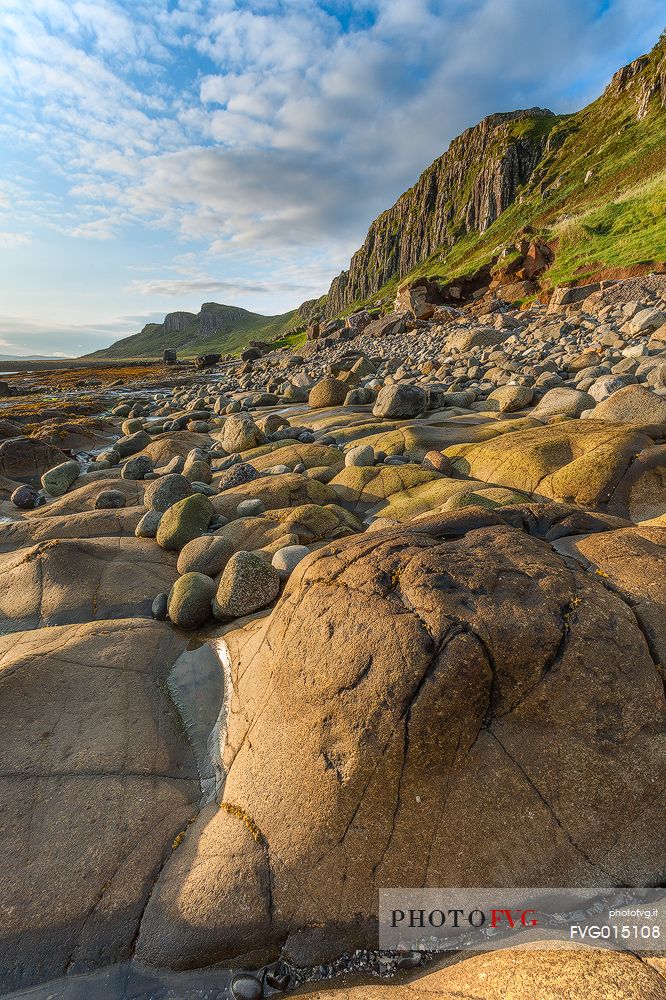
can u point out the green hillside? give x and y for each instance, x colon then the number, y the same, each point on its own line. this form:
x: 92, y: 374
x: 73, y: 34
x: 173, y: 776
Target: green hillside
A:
x: 216, y: 328
x: 597, y: 195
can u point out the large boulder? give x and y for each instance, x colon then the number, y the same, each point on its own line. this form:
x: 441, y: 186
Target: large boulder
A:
x: 328, y: 392
x: 185, y: 520
x: 98, y: 779
x: 26, y: 459
x: 240, y: 433
x: 400, y: 401
x: 634, y: 404
x: 454, y: 650
x: 580, y: 461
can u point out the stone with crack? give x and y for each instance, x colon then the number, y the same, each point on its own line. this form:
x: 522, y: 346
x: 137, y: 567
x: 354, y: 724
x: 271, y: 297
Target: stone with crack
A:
x: 445, y: 703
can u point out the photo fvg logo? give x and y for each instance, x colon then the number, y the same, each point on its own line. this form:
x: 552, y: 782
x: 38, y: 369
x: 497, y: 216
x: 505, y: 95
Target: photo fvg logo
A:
x: 508, y: 918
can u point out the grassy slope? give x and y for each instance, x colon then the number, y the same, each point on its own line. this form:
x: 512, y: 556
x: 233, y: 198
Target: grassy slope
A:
x: 615, y: 219
x: 152, y: 341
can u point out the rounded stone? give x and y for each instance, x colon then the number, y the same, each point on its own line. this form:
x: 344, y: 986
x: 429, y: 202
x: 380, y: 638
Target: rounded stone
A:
x: 208, y: 554
x: 166, y: 491
x: 328, y: 392
x: 187, y: 519
x: 400, y: 401
x: 137, y: 468
x: 245, y: 987
x: 58, y: 480
x: 110, y: 500
x: 148, y: 525
x: 287, y: 559
x: 247, y: 584
x: 159, y: 607
x: 25, y: 498
x: 250, y: 508
x: 361, y: 455
x: 237, y: 476
x: 190, y: 600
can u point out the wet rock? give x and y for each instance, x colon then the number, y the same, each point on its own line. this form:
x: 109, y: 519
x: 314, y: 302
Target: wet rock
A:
x: 25, y: 498
x: 246, y: 987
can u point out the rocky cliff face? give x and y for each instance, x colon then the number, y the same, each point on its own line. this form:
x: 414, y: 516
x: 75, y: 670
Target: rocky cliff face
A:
x: 464, y: 190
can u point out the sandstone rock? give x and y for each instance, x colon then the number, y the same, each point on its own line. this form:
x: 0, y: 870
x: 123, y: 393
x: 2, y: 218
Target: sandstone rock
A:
x: 468, y: 651
x: 190, y: 600
x: 184, y: 521
x: 522, y: 974
x: 77, y: 580
x: 562, y: 402
x: 98, y: 778
x: 247, y: 584
x: 574, y: 461
x: 27, y: 459
x: 633, y: 404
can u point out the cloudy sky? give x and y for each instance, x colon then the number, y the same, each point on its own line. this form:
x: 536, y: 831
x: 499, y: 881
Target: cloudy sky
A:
x: 156, y: 154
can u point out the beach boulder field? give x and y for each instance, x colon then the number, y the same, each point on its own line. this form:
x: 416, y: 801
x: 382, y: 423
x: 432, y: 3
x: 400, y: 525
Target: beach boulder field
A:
x: 366, y: 596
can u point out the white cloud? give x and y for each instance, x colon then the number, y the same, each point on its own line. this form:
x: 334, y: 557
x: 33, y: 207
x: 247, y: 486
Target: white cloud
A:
x: 10, y: 240
x: 265, y: 129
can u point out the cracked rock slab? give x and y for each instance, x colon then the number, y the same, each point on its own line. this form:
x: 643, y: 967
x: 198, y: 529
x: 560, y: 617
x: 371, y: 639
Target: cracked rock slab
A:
x: 96, y: 781
x: 443, y: 703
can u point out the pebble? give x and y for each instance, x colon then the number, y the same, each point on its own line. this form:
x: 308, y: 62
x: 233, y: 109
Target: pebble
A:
x: 246, y: 987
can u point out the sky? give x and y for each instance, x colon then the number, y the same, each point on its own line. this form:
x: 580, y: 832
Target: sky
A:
x: 157, y: 154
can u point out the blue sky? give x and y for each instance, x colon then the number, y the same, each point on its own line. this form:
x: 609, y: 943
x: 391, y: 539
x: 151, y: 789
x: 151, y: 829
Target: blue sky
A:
x: 156, y: 154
